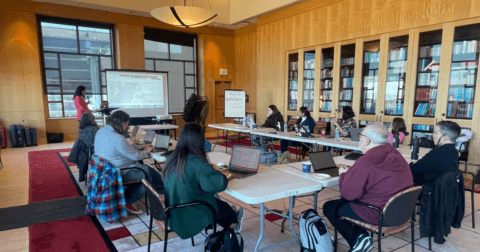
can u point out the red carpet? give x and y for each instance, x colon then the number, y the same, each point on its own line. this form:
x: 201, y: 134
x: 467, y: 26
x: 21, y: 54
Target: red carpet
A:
x: 246, y: 142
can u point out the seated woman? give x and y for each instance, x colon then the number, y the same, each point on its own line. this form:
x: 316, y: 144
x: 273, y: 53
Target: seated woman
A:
x: 188, y: 178
x: 397, y: 127
x: 345, y: 121
x: 305, y: 119
x: 274, y: 120
x: 87, y: 129
x: 112, y: 146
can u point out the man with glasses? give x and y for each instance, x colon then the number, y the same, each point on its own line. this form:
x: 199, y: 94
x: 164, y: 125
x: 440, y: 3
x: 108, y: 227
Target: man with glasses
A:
x: 375, y: 177
x: 442, y: 159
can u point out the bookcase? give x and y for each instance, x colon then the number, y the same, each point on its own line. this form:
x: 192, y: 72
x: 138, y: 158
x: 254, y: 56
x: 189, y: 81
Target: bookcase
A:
x: 422, y: 130
x: 326, y: 80
x: 396, y: 75
x: 371, y: 56
x: 308, y: 79
x: 292, y: 81
x: 347, y: 67
x: 427, y: 74
x: 463, y: 72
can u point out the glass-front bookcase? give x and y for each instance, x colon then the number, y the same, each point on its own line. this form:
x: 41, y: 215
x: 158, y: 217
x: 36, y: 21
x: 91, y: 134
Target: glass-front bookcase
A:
x: 463, y: 72
x: 347, y: 66
x: 308, y: 79
x: 422, y: 130
x: 396, y: 74
x: 326, y: 80
x: 292, y: 81
x: 429, y: 49
x: 371, y: 56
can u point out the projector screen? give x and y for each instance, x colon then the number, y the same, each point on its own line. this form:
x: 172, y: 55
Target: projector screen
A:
x: 139, y: 93
x: 235, y: 103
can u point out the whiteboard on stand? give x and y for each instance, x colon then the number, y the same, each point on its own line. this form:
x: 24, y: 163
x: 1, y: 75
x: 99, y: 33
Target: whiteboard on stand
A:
x: 235, y: 103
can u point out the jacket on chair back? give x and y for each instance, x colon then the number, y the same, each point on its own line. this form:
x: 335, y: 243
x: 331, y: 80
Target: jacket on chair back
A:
x: 273, y: 120
x: 442, y: 206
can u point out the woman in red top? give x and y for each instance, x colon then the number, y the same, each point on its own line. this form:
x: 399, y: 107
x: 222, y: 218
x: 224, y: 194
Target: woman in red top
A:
x: 79, y: 101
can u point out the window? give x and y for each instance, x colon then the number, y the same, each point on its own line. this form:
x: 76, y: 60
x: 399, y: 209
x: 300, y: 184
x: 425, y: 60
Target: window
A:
x: 74, y: 53
x: 175, y: 53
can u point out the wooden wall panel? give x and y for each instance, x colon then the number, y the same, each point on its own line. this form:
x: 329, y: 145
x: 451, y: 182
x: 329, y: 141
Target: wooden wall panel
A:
x: 129, y: 45
x: 246, y: 64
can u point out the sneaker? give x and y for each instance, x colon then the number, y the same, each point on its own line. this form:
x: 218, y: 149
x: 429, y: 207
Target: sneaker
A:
x: 240, y: 215
x: 133, y: 209
x: 364, y: 244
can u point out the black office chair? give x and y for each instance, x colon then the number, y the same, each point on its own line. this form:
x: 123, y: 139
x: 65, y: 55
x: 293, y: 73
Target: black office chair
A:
x: 471, y: 188
x: 160, y: 212
x: 395, y: 216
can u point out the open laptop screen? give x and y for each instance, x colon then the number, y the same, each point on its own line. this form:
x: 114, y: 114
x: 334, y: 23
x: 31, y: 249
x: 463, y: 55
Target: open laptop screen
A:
x: 149, y: 136
x: 162, y: 141
x: 245, y: 158
x: 321, y: 160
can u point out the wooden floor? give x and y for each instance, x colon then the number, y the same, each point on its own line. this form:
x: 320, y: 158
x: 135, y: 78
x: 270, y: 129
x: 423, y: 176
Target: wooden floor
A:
x: 14, y: 190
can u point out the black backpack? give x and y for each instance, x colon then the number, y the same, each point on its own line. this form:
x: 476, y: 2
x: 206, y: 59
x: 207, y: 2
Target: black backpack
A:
x: 224, y: 241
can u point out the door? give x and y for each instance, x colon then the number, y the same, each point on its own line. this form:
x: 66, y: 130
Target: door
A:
x: 220, y: 87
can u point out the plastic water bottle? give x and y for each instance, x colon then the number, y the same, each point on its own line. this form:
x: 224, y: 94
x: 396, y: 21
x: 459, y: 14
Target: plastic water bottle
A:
x: 244, y: 122
x: 285, y: 128
x: 337, y: 134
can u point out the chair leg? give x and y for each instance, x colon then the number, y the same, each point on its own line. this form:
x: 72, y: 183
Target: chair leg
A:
x: 335, y: 242
x: 430, y: 243
x: 473, y: 205
x: 166, y: 238
x: 146, y: 202
x: 379, y: 242
x: 413, y: 232
x: 150, y: 233
x: 193, y: 242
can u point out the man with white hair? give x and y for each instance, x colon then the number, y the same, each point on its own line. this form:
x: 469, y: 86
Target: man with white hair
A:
x: 375, y: 177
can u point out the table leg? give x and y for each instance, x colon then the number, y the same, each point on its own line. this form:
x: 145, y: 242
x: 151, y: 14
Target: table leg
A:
x: 315, y: 199
x: 290, y: 221
x: 315, y: 147
x: 262, y: 224
x: 215, y: 145
x: 262, y: 144
x: 226, y: 143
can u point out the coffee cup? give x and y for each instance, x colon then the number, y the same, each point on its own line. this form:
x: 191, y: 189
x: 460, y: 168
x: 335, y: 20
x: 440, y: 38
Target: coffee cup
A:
x: 307, y: 166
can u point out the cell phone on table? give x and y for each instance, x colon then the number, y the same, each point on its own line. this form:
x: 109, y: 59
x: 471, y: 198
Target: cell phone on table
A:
x: 272, y: 132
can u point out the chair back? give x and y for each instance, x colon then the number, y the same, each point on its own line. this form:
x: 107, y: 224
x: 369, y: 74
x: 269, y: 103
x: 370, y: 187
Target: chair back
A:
x: 400, y: 207
x: 291, y: 122
x: 319, y: 126
x: 157, y: 202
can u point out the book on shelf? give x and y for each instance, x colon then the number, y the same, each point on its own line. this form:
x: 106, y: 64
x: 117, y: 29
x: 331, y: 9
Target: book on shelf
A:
x: 348, y: 82
x: 294, y: 85
x: 310, y: 64
x: 430, y: 51
x: 462, y: 47
x: 327, y: 84
x: 398, y: 54
x: 347, y: 61
x: 431, y: 66
x: 371, y: 57
x: 327, y: 73
x: 294, y: 66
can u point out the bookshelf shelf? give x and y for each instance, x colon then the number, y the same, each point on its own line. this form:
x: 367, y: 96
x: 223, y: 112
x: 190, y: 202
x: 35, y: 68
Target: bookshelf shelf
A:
x: 326, y: 80
x: 347, y: 69
x: 421, y: 130
x: 371, y: 56
x: 293, y: 81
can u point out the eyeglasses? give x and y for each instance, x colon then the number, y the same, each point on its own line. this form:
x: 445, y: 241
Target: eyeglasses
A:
x: 360, y: 135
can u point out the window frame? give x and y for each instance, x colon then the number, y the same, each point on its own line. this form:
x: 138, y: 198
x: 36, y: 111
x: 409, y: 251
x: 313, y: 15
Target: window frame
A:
x: 169, y: 41
x: 77, y: 23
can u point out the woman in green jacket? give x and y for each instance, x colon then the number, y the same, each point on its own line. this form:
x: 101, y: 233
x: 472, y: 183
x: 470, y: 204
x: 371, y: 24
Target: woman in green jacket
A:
x: 188, y: 177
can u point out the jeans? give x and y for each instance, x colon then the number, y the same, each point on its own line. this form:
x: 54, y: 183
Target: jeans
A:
x: 225, y: 216
x: 349, y: 231
x: 134, y: 192
x: 285, y: 143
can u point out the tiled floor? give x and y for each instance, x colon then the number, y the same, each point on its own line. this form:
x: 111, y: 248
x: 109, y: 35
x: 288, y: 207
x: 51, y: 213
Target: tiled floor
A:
x: 463, y: 239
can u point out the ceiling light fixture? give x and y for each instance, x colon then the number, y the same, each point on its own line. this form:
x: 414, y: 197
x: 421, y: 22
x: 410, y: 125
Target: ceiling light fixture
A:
x: 184, y: 16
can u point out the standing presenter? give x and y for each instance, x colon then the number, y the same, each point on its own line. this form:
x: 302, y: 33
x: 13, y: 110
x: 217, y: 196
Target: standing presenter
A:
x: 79, y: 101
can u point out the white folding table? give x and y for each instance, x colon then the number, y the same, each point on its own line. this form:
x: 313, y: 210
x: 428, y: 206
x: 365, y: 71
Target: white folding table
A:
x: 228, y: 127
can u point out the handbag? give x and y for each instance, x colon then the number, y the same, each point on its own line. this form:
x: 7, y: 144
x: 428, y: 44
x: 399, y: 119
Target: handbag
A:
x: 284, y: 158
x: 224, y: 241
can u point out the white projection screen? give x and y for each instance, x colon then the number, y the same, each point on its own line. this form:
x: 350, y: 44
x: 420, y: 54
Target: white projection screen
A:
x: 139, y: 93
x: 235, y: 103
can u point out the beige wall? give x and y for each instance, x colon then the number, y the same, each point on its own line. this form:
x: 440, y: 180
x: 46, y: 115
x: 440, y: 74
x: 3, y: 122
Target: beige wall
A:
x: 246, y: 64
x: 244, y: 9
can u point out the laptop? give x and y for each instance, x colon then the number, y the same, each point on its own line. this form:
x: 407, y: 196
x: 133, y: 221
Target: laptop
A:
x: 354, y: 134
x: 322, y: 162
x: 147, y: 140
x: 244, y: 162
x: 161, y: 144
x: 104, y: 105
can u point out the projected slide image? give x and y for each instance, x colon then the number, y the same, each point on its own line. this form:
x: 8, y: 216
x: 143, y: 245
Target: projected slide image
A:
x: 135, y: 90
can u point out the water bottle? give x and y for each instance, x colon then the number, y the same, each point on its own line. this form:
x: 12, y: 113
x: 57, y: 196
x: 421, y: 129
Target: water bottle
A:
x: 396, y: 140
x: 415, y: 148
x: 337, y: 134
x: 285, y: 128
x: 244, y: 122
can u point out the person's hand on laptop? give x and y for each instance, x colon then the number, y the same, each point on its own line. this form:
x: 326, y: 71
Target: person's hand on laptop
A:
x: 343, y: 169
x: 148, y: 147
x: 136, y: 141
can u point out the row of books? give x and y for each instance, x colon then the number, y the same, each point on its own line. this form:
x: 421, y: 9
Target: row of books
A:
x: 294, y: 66
x: 327, y: 73
x: 371, y: 57
x: 369, y: 106
x: 400, y: 76
x: 394, y: 108
x: 463, y: 77
x: 466, y: 46
x: 427, y: 79
x: 326, y: 106
x: 399, y: 65
x: 429, y: 51
x: 327, y: 95
x: 398, y: 54
x: 461, y: 94
x: 422, y: 134
x: 394, y: 90
x: 309, y: 74
x: 472, y: 65
x: 327, y: 84
x: 293, y: 75
x: 426, y: 94
x: 308, y: 95
x: 308, y: 84
x: 343, y: 104
x: 308, y: 105
x: 309, y: 64
x: 460, y: 110
x: 347, y: 61
x: 423, y: 127
x: 369, y: 95
x: 328, y: 63
x: 294, y: 85
x: 293, y: 97
x: 426, y: 109
x: 348, y: 82
x: 370, y: 82
x: 346, y: 95
x: 346, y: 72
x: 292, y: 106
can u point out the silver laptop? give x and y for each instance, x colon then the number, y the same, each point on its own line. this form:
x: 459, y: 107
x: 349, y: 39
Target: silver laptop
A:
x: 354, y: 134
x: 244, y: 162
x: 322, y: 162
x: 148, y: 139
x: 161, y: 144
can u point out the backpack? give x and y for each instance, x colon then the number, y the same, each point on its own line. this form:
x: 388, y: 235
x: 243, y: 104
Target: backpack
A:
x: 224, y: 241
x: 208, y: 146
x: 314, y: 233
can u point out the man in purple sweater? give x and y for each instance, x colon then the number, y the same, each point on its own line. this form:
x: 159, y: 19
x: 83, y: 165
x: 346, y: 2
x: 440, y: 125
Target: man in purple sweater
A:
x: 375, y: 177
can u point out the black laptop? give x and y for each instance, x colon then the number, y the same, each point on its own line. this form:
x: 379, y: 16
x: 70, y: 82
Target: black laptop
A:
x: 148, y: 139
x: 322, y: 162
x: 161, y: 144
x: 244, y: 162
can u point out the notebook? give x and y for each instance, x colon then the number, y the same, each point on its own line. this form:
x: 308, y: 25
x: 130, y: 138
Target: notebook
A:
x: 322, y: 162
x: 161, y: 144
x: 244, y: 162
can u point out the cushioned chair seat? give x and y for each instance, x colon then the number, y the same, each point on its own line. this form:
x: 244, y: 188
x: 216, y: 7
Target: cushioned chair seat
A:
x: 385, y: 230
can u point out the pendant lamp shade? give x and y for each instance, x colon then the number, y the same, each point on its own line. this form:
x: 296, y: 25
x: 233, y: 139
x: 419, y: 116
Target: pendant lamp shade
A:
x: 184, y: 16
